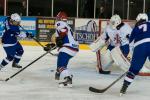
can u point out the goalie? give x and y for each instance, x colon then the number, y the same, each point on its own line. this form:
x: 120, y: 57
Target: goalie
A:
x: 115, y: 34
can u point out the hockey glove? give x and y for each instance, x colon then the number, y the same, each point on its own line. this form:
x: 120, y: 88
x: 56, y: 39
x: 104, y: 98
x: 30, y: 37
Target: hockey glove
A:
x: 29, y: 35
x: 49, y: 46
x: 2, y: 40
x: 59, y: 41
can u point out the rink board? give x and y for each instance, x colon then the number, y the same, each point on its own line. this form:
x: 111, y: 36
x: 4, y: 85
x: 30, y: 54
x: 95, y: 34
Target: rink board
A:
x: 33, y: 43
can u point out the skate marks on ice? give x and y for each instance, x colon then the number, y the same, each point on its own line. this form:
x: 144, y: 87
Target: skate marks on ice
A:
x: 37, y: 82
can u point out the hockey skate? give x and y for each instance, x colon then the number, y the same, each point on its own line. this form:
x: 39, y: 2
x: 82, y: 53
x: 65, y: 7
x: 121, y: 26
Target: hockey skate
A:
x: 123, y: 89
x: 67, y: 82
x: 57, y: 76
x: 15, y: 65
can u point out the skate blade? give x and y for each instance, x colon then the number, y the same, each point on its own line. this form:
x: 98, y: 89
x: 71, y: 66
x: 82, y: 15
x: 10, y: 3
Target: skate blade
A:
x: 15, y: 68
x: 65, y: 86
x: 57, y: 81
x: 121, y: 94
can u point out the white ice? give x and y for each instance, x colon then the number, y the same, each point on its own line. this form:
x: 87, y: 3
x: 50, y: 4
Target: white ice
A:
x: 37, y: 81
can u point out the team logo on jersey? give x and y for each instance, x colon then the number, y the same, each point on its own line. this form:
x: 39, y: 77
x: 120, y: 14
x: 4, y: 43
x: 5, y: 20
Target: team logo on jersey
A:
x: 117, y: 40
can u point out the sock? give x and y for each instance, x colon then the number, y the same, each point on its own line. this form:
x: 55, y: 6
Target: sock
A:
x: 17, y: 58
x: 65, y: 73
x: 129, y: 78
x: 5, y: 62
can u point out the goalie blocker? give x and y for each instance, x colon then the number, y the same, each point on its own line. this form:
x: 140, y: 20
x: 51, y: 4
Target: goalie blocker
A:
x: 97, y: 45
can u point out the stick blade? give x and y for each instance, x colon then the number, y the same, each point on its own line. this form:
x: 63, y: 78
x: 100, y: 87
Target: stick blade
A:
x: 6, y: 79
x: 104, y: 72
x: 92, y: 89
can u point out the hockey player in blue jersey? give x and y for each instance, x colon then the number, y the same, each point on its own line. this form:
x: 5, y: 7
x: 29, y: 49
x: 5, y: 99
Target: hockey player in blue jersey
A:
x: 12, y: 47
x: 141, y: 38
x: 68, y: 48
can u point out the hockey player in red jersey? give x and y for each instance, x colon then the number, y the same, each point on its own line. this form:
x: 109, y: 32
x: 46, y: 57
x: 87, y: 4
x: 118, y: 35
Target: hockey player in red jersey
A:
x: 68, y: 48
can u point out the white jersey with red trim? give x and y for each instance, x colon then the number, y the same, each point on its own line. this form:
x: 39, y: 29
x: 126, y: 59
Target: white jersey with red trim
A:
x: 70, y: 46
x: 117, y: 36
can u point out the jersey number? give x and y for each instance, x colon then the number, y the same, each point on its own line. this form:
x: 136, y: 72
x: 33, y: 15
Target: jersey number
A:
x: 144, y: 27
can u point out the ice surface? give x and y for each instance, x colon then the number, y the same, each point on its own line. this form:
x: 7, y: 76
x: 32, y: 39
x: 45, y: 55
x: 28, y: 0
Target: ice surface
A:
x: 37, y: 81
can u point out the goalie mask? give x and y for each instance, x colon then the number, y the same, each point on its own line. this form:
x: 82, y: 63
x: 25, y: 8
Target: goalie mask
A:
x: 115, y: 20
x: 15, y: 19
x: 61, y: 16
x: 142, y: 16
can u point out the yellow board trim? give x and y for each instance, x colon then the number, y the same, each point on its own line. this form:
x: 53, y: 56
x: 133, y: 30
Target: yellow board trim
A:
x: 33, y: 43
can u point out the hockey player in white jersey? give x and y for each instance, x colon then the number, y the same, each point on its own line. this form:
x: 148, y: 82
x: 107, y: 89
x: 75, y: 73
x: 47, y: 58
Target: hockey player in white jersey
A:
x: 141, y: 38
x: 68, y: 48
x: 115, y: 34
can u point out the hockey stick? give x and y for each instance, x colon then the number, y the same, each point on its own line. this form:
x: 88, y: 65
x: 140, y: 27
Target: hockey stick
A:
x: 99, y: 65
x: 92, y: 89
x: 37, y: 41
x: 43, y: 46
x: 27, y: 66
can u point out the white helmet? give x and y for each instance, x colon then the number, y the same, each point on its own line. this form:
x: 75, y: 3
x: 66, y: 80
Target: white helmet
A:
x: 142, y: 16
x: 115, y: 20
x: 15, y: 17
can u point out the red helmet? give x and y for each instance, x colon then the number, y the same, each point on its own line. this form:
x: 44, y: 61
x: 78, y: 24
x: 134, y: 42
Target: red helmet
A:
x: 61, y: 16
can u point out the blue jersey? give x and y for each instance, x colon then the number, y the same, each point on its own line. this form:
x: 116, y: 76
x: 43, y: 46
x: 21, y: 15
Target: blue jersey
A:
x: 9, y: 37
x: 140, y: 34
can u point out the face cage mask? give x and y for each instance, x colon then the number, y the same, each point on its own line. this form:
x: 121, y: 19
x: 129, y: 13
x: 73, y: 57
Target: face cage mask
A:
x: 16, y: 23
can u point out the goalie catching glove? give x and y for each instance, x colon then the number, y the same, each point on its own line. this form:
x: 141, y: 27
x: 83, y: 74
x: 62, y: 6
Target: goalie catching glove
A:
x: 49, y: 46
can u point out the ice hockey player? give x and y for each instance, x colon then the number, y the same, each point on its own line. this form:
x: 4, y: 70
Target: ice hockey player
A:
x: 11, y: 45
x: 115, y: 34
x: 141, y: 37
x: 68, y: 48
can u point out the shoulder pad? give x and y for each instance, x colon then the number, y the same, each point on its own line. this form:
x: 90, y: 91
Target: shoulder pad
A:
x: 119, y: 26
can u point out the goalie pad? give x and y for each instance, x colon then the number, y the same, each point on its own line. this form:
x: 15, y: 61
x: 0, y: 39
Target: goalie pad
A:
x: 98, y: 44
x: 106, y: 60
x: 122, y: 62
